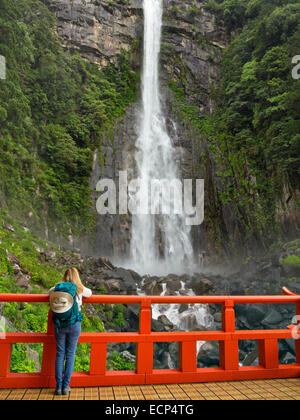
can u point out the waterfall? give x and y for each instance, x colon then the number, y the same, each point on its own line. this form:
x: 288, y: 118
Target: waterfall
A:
x: 195, y: 316
x: 160, y: 243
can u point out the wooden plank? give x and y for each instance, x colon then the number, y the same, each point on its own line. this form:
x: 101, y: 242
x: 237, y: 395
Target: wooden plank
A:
x: 91, y: 393
x: 163, y: 392
x: 106, y: 393
x: 16, y: 394
x: 177, y: 392
x: 4, y: 393
x: 149, y: 392
x: 32, y: 394
x: 47, y: 394
x: 241, y: 390
x: 191, y: 392
x: 135, y: 393
x: 77, y: 394
x: 121, y: 393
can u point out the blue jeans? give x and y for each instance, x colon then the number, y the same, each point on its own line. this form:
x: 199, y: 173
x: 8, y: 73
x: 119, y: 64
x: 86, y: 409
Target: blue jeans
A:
x: 66, y: 344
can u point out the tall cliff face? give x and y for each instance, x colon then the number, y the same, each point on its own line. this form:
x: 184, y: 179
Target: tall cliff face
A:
x: 98, y: 29
x: 190, y: 54
x: 192, y: 47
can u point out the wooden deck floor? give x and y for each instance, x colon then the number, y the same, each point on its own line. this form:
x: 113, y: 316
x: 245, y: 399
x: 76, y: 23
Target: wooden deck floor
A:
x: 275, y: 389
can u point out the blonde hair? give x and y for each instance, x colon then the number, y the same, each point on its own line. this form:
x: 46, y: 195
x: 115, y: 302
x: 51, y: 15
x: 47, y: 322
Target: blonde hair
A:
x: 72, y: 275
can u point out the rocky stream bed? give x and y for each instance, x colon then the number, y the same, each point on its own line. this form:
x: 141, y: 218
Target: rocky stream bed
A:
x: 261, y: 276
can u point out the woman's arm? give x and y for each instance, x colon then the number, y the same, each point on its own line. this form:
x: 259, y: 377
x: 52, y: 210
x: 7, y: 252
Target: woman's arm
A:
x: 87, y: 292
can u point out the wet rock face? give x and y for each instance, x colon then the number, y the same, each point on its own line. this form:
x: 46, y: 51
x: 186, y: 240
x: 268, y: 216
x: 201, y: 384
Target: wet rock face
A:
x: 190, y: 53
x: 97, y: 29
x: 191, y: 50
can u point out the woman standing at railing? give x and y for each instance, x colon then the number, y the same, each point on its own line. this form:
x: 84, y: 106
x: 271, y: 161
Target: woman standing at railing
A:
x: 65, y: 304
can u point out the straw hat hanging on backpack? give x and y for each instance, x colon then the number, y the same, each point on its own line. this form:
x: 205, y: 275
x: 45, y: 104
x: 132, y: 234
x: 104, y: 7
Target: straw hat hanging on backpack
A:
x: 65, y: 304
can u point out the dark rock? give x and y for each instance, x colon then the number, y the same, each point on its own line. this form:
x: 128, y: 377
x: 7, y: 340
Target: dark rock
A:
x: 9, y: 227
x: 202, y: 287
x: 291, y: 345
x: 287, y: 359
x: 23, y: 280
x: 16, y: 268
x: 251, y: 358
x: 113, y: 286
x: 183, y: 307
x: 106, y: 263
x: 218, y: 317
x: 165, y: 322
x: 243, y: 323
x: 157, y: 326
x: 255, y: 313
x: 12, y: 258
x: 291, y: 270
x: 153, y: 288
x: 272, y: 318
x: 209, y: 354
x: 173, y: 285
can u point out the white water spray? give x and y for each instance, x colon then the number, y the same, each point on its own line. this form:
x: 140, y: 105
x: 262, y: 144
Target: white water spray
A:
x: 160, y: 244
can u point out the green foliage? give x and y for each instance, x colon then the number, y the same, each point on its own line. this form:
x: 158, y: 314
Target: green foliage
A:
x: 20, y: 361
x: 82, y: 359
x: 54, y: 109
x: 118, y: 316
x: 117, y: 362
x: 293, y: 260
x: 253, y: 135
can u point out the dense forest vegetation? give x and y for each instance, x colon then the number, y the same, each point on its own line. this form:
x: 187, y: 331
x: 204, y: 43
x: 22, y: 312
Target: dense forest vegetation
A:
x: 253, y: 136
x: 257, y: 121
x: 54, y: 109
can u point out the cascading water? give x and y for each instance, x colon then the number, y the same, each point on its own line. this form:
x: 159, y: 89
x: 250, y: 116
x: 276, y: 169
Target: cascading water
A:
x: 195, y: 316
x: 160, y: 243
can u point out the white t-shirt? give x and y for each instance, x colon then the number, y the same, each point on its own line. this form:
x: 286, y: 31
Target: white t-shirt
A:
x: 86, y: 293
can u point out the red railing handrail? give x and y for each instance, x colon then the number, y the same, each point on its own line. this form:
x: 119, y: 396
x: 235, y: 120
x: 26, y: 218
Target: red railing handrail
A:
x: 133, y: 299
x: 187, y: 371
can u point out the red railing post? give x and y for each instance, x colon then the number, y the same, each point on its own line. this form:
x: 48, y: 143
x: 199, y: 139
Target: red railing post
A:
x: 49, y: 352
x: 98, y: 358
x: 5, y: 358
x: 268, y: 353
x: 187, y: 356
x: 144, y: 351
x: 229, y: 348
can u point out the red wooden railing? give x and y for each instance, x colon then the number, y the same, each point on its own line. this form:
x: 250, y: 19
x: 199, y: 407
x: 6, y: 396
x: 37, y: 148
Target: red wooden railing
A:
x: 187, y: 371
